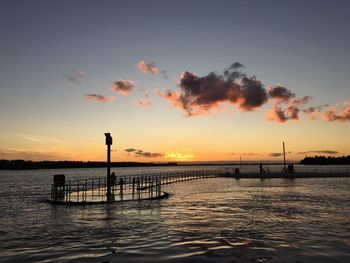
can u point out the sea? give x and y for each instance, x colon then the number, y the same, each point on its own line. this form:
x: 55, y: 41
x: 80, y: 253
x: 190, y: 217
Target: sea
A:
x: 207, y: 220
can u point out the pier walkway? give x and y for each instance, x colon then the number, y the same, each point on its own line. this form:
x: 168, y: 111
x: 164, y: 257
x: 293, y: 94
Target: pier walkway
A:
x: 123, y: 188
x: 149, y: 186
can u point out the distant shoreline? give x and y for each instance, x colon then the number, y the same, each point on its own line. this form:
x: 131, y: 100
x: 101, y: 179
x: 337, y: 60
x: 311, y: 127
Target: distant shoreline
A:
x: 34, y: 165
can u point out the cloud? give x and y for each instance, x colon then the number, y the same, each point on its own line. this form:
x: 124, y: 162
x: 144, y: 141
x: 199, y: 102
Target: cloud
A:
x: 339, y: 112
x: 76, y: 77
x: 150, y: 68
x: 199, y: 95
x: 123, y: 86
x: 314, y: 112
x: 282, y: 95
x: 146, y: 102
x: 246, y: 154
x: 276, y: 154
x: 321, y: 152
x: 333, y: 113
x: 99, y: 98
x: 282, y: 115
x: 34, y: 155
x: 81, y: 73
x: 173, y: 96
x: 141, y: 153
x: 300, y: 101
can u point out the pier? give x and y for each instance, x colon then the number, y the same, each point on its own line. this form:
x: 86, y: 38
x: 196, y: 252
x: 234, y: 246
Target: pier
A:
x: 122, y: 188
x: 149, y: 186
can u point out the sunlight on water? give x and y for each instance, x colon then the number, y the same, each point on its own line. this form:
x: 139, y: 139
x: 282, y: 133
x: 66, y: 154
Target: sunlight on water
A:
x: 208, y: 220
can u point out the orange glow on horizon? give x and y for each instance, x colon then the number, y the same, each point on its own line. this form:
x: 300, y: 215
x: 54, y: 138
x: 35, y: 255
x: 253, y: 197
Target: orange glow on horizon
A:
x: 180, y: 156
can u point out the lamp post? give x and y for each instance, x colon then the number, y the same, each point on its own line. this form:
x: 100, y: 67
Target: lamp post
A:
x: 284, y: 157
x: 109, y: 142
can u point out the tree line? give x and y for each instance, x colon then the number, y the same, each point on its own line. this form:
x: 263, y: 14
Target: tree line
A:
x: 326, y: 160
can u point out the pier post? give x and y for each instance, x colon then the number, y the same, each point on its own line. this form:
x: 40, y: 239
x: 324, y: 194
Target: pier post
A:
x: 284, y: 158
x: 109, y: 143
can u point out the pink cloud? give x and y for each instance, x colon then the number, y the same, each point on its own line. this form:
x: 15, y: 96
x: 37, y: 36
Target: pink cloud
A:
x: 281, y: 95
x: 282, y: 115
x: 314, y: 112
x: 148, y: 67
x: 333, y: 113
x: 123, y: 86
x: 99, y: 98
x: 144, y: 103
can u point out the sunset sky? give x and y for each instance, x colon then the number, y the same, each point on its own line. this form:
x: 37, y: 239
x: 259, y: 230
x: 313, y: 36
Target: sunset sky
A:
x: 174, y: 80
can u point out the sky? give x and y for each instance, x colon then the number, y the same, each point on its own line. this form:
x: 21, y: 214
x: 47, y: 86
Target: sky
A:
x: 174, y: 80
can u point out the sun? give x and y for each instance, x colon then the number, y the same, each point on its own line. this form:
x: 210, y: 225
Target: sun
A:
x: 180, y: 156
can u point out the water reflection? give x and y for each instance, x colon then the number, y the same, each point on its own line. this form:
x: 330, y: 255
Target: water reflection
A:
x: 210, y: 220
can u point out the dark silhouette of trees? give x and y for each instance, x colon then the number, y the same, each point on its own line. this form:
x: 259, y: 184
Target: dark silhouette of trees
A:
x: 326, y: 160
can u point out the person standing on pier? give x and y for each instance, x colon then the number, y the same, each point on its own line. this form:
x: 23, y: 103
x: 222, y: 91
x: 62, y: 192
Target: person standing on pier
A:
x: 113, y: 177
x: 261, y: 168
x: 112, y: 183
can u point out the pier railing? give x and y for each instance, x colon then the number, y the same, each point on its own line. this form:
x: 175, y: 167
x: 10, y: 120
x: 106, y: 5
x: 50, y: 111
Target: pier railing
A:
x: 273, y: 169
x: 123, y: 188
x: 149, y: 186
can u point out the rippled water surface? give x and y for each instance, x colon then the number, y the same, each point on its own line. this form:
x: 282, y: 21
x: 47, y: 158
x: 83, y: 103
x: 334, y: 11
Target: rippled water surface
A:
x: 208, y: 220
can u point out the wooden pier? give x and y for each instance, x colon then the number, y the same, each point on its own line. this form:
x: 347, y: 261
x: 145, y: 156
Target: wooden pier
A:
x: 149, y: 186
x: 123, y: 188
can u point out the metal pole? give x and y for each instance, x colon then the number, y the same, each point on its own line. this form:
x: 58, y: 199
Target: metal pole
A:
x: 108, y: 143
x: 108, y: 172
x: 284, y: 157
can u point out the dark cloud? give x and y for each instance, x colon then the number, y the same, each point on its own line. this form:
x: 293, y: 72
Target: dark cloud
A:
x: 280, y: 93
x: 99, y: 98
x: 76, y: 77
x: 123, y: 86
x: 199, y: 95
x: 276, y: 154
x: 130, y: 150
x: 236, y: 65
x: 141, y: 153
x: 254, y: 95
x: 319, y: 152
x: 300, y: 101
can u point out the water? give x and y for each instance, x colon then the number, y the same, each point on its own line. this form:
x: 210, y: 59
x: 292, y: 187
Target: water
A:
x: 208, y: 220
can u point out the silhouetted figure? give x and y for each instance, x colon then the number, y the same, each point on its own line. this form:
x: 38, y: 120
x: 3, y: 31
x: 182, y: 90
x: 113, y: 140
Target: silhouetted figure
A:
x: 261, y: 168
x: 113, y: 177
x: 112, y: 182
x: 292, y: 168
x: 121, y: 183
